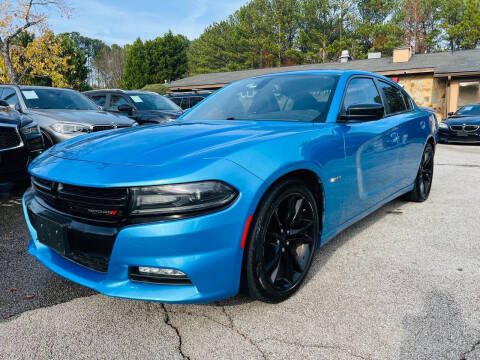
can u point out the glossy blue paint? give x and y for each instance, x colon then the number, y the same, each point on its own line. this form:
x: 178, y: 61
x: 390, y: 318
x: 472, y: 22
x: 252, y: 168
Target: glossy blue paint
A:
x: 361, y: 166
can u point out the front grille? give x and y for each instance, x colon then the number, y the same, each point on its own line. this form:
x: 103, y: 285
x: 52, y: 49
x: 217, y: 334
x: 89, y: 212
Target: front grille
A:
x: 468, y: 128
x: 9, y: 138
x: 96, y: 128
x: 101, y: 204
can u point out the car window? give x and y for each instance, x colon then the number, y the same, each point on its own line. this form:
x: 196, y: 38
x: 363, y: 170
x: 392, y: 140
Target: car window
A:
x: 286, y: 97
x: 185, y: 103
x: 176, y: 100
x: 408, y: 101
x: 10, y: 96
x: 394, y: 98
x: 99, y: 100
x: 473, y: 109
x: 361, y: 91
x: 51, y: 98
x: 116, y: 101
x: 195, y: 100
x: 152, y: 101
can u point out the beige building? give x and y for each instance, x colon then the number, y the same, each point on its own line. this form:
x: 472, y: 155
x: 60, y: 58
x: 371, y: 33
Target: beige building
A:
x: 441, y: 81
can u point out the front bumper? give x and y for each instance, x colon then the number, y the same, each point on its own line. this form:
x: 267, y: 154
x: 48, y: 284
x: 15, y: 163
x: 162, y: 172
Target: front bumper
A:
x: 448, y: 136
x: 13, y: 164
x: 207, y: 249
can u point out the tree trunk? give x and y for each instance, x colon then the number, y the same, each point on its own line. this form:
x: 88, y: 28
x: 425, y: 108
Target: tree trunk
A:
x: 11, y: 73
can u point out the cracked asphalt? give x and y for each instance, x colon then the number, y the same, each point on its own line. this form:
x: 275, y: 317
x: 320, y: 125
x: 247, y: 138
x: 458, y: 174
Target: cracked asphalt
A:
x: 404, y: 283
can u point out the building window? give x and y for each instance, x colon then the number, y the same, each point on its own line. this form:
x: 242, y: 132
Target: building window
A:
x: 468, y: 93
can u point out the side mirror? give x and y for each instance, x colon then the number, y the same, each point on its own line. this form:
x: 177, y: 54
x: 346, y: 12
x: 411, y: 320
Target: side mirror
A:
x: 363, y: 112
x: 3, y: 103
x: 451, y: 113
x: 125, y: 108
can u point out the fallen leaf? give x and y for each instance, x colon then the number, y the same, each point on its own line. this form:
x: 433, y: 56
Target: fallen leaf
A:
x: 29, y: 297
x: 12, y: 290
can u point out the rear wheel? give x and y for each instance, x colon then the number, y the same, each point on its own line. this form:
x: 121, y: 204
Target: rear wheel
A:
x: 423, y: 181
x: 282, y: 242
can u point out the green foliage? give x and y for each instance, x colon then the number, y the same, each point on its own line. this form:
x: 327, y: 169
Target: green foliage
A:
x: 77, y: 61
x: 266, y: 33
x: 155, y: 61
x: 158, y: 88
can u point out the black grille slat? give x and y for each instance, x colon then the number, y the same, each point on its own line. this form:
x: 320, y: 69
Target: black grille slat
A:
x: 97, y: 204
x: 9, y: 138
x: 96, y: 128
x: 456, y: 127
x: 471, y: 127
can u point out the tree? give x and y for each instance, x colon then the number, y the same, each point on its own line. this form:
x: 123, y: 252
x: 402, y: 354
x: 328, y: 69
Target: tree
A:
x: 17, y: 17
x: 109, y: 64
x: 155, y: 61
x: 463, y: 25
x: 77, y: 74
x: 42, y: 62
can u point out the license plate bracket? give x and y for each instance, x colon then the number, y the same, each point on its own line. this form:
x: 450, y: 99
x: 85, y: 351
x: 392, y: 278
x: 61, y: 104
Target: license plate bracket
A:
x: 52, y: 234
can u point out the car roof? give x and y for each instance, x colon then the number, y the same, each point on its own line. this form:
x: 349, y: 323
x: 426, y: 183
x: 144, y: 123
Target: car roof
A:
x: 92, y: 92
x: 36, y: 87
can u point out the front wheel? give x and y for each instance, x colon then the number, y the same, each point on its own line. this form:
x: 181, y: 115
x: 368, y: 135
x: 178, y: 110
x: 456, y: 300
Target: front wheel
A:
x: 282, y: 242
x: 423, y: 181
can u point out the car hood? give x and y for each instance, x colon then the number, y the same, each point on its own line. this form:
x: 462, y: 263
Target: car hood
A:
x: 467, y: 120
x: 167, y: 143
x: 92, y: 117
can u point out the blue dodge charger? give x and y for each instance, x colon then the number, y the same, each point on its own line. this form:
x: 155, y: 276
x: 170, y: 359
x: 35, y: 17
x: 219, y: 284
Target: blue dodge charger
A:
x: 237, y: 193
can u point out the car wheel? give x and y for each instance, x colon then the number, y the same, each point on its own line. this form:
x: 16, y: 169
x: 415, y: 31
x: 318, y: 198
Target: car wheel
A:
x: 282, y: 241
x: 423, y: 181
x: 47, y: 140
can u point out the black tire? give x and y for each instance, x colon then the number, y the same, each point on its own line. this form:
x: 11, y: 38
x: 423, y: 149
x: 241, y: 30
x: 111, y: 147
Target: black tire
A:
x: 281, y: 242
x: 47, y: 140
x: 423, y: 181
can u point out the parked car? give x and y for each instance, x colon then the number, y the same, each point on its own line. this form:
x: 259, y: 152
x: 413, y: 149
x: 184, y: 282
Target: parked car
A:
x: 142, y: 106
x: 187, y: 100
x: 61, y: 113
x: 20, y: 142
x: 244, y: 186
x: 463, y: 126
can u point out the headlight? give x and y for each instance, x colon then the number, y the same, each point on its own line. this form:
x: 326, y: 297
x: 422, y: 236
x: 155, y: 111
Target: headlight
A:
x: 70, y: 128
x: 443, y: 126
x: 181, y: 198
x: 30, y: 130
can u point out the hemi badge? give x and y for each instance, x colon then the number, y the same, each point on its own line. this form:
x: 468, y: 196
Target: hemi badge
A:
x: 332, y: 180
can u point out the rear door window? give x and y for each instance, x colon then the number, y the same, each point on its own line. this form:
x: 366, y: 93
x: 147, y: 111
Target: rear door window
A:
x: 100, y: 100
x: 394, y: 98
x: 116, y: 101
x: 361, y: 91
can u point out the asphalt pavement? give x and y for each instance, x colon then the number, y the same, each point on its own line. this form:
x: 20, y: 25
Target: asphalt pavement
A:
x: 404, y: 283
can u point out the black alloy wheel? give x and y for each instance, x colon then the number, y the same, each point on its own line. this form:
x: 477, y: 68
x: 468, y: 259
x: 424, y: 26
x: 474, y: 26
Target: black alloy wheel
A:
x: 423, y: 181
x: 282, y: 242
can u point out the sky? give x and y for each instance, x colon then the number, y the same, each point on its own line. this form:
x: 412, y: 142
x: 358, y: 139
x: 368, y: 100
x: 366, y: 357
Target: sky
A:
x: 122, y: 21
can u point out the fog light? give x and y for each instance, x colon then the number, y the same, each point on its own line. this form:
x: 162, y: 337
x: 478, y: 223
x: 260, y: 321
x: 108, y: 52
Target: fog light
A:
x: 158, y: 275
x: 159, y: 271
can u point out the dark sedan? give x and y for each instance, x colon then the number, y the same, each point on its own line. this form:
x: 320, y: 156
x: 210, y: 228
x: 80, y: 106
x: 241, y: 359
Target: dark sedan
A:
x: 144, y: 107
x: 20, y: 141
x: 463, y: 126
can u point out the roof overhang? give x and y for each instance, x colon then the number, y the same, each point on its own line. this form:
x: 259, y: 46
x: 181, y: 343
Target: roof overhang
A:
x: 458, y: 74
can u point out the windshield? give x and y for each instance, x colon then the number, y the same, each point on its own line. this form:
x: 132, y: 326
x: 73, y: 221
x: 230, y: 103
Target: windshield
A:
x: 292, y: 97
x: 146, y: 101
x: 38, y: 98
x: 469, y: 110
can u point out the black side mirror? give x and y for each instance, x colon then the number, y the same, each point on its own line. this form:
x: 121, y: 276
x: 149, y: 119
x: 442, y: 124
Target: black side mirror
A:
x: 3, y: 103
x: 451, y: 113
x: 125, y: 108
x: 363, y: 112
